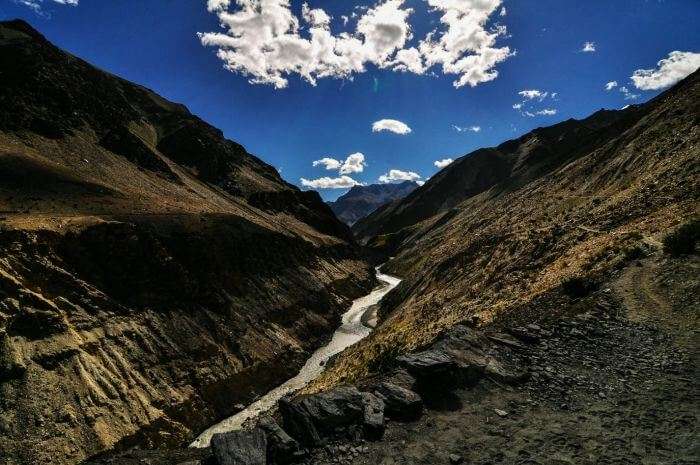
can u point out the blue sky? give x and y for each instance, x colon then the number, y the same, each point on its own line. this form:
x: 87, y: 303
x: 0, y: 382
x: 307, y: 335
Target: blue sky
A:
x: 155, y: 43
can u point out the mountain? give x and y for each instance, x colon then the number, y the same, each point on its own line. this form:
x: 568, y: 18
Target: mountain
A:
x: 153, y: 274
x: 503, y: 230
x: 360, y: 201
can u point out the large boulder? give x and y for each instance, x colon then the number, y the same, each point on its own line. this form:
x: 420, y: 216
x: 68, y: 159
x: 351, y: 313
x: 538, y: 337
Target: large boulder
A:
x: 240, y: 447
x: 373, y: 421
x: 428, y: 364
x: 313, y: 418
x: 281, y: 447
x: 399, y: 403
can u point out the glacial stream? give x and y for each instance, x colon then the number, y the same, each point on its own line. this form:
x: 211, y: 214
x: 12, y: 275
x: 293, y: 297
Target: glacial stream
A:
x: 356, y: 325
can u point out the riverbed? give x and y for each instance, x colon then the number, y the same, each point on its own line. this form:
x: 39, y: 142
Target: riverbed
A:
x: 352, y: 329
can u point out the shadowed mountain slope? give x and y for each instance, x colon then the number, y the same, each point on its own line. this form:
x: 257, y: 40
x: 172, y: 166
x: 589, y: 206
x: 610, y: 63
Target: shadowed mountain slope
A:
x: 153, y: 274
x: 360, y: 201
x: 555, y: 211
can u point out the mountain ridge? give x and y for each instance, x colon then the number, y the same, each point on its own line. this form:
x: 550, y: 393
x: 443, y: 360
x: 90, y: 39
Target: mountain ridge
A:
x: 154, y: 274
x: 360, y: 201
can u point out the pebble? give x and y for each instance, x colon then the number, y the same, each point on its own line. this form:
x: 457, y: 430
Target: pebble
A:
x: 500, y: 413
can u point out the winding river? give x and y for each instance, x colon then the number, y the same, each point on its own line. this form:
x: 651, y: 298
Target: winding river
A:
x: 356, y: 325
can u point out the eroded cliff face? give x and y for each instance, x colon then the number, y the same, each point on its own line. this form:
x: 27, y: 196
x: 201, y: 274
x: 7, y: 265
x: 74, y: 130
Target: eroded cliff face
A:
x: 153, y: 274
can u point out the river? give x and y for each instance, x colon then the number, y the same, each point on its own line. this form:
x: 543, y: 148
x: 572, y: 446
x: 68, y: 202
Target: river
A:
x: 350, y: 331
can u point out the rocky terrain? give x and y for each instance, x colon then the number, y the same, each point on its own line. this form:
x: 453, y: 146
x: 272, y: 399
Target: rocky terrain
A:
x: 360, y: 201
x: 547, y: 313
x: 607, y: 377
x: 153, y: 274
x: 558, y: 207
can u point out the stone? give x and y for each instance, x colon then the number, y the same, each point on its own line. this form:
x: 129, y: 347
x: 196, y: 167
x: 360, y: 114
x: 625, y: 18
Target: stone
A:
x: 312, y: 418
x: 281, y: 447
x: 499, y: 372
x: 428, y: 364
x: 373, y: 420
x: 500, y: 413
x: 455, y: 459
x: 240, y: 447
x: 399, y: 403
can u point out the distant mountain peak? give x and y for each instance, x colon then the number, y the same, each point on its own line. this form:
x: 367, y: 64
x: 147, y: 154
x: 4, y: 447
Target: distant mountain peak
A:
x: 360, y: 201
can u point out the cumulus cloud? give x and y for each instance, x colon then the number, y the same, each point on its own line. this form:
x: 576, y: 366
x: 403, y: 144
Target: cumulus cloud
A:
x: 547, y: 112
x: 354, y: 163
x: 398, y: 176
x: 503, y: 12
x: 265, y: 41
x: 610, y: 85
x: 465, y: 47
x: 328, y: 163
x: 391, y: 125
x: 588, y: 47
x: 443, y: 163
x: 342, y: 182
x: 467, y: 128
x: 669, y: 71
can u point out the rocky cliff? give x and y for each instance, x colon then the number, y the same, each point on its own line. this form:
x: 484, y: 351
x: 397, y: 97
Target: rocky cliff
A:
x: 153, y: 274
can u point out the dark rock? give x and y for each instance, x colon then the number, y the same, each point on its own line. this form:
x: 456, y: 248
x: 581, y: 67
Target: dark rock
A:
x: 281, y: 447
x: 312, y: 418
x: 428, y: 364
x: 526, y: 335
x: 240, y: 447
x: 373, y: 425
x: 399, y: 403
x: 499, y: 372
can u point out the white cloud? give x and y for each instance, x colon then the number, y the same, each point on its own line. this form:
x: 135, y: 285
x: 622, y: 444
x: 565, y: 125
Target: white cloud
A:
x: 533, y: 94
x: 588, y: 47
x: 628, y: 94
x: 503, y: 12
x: 354, y: 163
x: 527, y: 106
x: 36, y: 4
x: 266, y: 41
x: 669, y: 71
x: 465, y: 47
x: 328, y: 163
x: 443, y: 163
x: 398, y: 175
x: 342, y: 182
x: 467, y: 128
x: 420, y: 183
x: 391, y: 125
x: 610, y: 85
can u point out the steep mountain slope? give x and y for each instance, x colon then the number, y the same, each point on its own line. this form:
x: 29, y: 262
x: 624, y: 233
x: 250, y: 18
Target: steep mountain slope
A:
x: 360, y: 201
x: 554, y: 211
x: 153, y: 274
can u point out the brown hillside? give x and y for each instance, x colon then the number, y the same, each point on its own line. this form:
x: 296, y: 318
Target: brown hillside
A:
x: 554, y: 211
x: 153, y: 274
